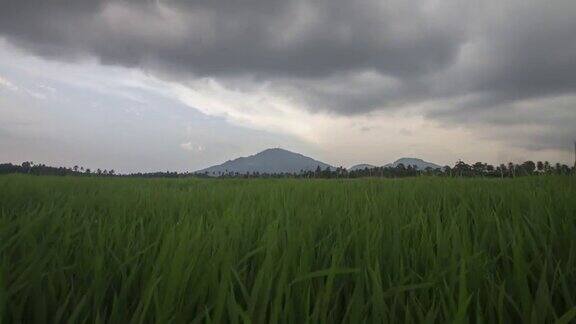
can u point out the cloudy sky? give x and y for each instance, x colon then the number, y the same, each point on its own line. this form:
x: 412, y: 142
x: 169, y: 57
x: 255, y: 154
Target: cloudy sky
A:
x: 184, y: 84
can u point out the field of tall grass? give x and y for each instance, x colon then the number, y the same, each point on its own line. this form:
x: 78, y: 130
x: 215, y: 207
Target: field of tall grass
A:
x: 435, y: 250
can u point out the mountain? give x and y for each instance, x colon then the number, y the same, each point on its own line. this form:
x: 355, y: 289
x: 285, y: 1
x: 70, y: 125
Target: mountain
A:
x: 361, y: 167
x: 419, y: 163
x: 275, y: 160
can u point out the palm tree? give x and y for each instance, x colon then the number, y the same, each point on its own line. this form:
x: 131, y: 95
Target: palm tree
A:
x: 27, y: 166
x: 489, y: 167
x: 502, y: 168
x: 479, y: 168
x: 539, y: 166
x: 512, y: 169
x: 461, y: 168
x: 529, y: 167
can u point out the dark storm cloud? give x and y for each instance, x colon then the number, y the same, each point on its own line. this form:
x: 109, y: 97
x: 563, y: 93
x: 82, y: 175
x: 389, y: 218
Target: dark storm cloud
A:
x: 344, y: 57
x: 272, y: 38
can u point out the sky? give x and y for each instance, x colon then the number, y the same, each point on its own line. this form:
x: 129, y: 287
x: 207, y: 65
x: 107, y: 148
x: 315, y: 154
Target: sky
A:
x: 180, y: 85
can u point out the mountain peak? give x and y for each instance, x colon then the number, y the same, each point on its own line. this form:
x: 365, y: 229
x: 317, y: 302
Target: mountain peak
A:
x: 408, y: 159
x: 361, y: 167
x: 419, y: 163
x: 275, y: 150
x: 273, y: 161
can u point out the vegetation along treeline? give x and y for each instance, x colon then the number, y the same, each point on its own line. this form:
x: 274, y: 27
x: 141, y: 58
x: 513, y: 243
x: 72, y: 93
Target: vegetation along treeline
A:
x: 460, y: 169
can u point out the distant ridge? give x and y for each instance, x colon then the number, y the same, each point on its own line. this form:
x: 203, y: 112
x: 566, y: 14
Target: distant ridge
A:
x: 361, y: 167
x: 419, y: 163
x: 271, y: 161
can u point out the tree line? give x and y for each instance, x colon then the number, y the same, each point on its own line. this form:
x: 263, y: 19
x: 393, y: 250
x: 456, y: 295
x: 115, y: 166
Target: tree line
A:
x: 42, y: 169
x: 460, y: 169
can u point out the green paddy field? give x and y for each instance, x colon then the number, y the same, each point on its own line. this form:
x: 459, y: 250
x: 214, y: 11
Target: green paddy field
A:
x: 418, y: 250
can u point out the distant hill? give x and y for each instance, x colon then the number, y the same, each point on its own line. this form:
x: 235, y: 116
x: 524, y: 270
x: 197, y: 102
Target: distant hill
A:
x: 361, y: 167
x: 419, y: 163
x: 272, y: 161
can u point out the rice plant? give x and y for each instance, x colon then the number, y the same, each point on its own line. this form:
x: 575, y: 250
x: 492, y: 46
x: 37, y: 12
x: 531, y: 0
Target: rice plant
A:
x: 418, y: 250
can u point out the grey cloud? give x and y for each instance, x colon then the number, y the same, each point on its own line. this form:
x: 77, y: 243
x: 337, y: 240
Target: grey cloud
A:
x: 335, y: 56
x: 526, y: 49
x: 533, y: 124
x: 271, y: 38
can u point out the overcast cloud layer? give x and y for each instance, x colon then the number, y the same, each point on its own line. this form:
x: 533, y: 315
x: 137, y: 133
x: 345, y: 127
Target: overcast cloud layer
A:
x: 503, y: 68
